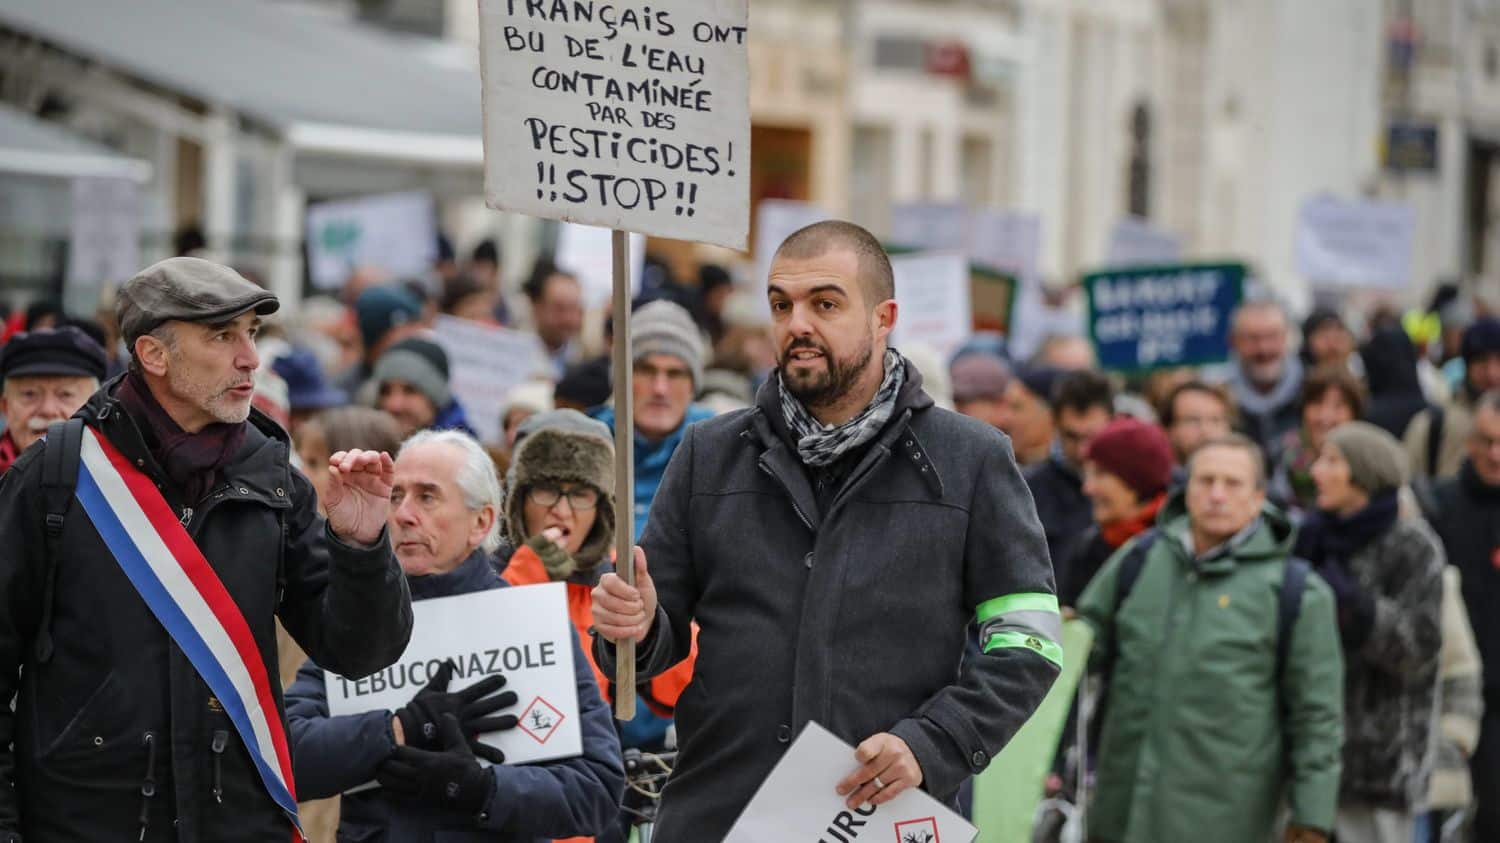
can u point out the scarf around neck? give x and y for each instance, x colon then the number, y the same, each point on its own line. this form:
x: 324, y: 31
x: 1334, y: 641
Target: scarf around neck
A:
x: 819, y: 446
x: 1331, y: 538
x: 192, y: 461
x: 1117, y: 533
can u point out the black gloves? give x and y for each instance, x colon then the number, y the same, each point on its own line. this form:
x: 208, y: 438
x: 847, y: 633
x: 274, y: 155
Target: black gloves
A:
x: 450, y: 778
x: 471, y: 707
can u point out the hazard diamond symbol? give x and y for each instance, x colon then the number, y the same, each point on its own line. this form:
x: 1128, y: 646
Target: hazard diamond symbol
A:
x: 540, y: 720
x: 918, y: 831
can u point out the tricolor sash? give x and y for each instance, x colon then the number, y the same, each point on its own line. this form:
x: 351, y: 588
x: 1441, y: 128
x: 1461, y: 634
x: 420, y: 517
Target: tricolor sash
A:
x: 182, y: 590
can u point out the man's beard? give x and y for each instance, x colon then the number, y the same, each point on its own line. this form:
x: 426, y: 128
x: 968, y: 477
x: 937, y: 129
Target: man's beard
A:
x: 825, y: 387
x: 221, y: 404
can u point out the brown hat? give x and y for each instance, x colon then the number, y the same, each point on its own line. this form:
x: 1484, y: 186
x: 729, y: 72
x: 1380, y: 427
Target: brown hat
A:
x: 188, y: 290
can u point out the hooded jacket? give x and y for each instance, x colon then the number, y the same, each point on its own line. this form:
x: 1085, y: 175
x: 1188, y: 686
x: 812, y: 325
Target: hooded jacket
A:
x: 80, y: 759
x: 651, y: 458
x: 854, y: 614
x: 1391, y: 373
x: 1200, y: 733
x: 530, y: 802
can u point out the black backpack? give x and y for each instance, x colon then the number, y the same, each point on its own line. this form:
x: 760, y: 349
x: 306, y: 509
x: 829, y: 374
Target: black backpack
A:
x: 62, y: 451
x: 1288, y: 607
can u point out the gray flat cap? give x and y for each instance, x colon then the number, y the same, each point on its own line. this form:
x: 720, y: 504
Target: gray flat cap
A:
x: 189, y: 290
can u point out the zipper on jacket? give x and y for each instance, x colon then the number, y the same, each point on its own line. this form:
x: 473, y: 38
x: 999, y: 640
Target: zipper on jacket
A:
x: 187, y: 516
x: 789, y: 496
x: 148, y: 784
x: 221, y: 740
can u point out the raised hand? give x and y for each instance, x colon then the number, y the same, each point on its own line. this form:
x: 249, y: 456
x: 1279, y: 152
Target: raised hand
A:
x: 359, y: 494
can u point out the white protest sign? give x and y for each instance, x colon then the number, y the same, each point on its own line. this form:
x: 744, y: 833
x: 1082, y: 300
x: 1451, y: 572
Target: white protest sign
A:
x: 485, y: 363
x: 1355, y: 244
x: 1010, y: 241
x: 586, y: 251
x: 629, y: 117
x: 105, y: 239
x: 933, y: 301
x: 396, y: 232
x: 937, y: 226
x: 798, y: 802
x: 1135, y: 242
x: 775, y: 221
x: 523, y: 633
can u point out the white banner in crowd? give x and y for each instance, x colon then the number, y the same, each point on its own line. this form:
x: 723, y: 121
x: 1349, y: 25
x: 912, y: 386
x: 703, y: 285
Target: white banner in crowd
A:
x: 105, y: 241
x: 798, y: 802
x: 523, y: 633
x: 934, y: 226
x: 631, y: 118
x: 585, y: 251
x: 396, y: 232
x: 485, y: 363
x: 1355, y: 243
x: 1135, y: 242
x: 1010, y: 241
x: 933, y: 301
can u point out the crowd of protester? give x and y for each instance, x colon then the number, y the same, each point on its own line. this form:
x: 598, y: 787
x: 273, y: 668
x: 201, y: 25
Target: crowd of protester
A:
x: 1172, y: 505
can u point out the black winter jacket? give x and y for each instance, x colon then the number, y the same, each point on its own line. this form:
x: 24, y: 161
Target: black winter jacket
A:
x: 531, y: 802
x: 856, y: 615
x: 1466, y: 516
x: 80, y: 760
x: 1061, y: 505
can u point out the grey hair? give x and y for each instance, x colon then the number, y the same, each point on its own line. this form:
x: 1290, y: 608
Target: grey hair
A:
x: 1488, y: 401
x: 477, y: 478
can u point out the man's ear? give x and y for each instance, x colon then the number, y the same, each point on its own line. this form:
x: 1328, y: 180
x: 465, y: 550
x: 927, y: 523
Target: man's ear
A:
x: 153, y: 354
x: 884, y: 318
x: 484, y: 519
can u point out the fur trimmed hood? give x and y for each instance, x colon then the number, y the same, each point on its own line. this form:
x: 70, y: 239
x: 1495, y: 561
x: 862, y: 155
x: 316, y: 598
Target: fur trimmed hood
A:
x: 563, y: 449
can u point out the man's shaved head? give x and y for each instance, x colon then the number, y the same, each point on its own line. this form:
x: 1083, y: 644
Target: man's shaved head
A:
x: 876, y: 280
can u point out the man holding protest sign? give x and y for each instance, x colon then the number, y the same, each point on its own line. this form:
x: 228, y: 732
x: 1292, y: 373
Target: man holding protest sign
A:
x: 445, y: 524
x: 807, y: 533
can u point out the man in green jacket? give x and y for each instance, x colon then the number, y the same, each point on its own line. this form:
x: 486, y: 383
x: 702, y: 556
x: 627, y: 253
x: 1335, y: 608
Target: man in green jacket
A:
x: 1207, y: 728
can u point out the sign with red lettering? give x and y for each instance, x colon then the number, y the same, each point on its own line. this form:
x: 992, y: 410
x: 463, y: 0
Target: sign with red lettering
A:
x: 630, y: 118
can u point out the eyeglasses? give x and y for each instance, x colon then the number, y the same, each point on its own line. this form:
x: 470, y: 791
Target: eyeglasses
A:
x: 579, y: 497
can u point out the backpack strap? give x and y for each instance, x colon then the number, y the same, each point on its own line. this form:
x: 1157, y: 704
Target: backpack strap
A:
x: 1435, y: 419
x: 62, y: 453
x: 1288, y: 608
x: 1130, y: 571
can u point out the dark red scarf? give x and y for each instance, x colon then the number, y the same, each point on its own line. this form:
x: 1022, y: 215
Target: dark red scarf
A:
x: 192, y: 461
x: 1120, y: 532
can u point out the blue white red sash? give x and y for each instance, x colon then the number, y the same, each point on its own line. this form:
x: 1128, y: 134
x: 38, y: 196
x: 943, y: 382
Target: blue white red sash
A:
x: 182, y: 590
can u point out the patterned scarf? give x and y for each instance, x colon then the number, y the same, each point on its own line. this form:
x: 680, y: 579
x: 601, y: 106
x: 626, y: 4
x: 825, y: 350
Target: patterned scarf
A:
x: 819, y: 446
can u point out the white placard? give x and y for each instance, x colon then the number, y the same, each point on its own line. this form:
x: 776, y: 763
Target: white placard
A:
x: 485, y: 363
x: 587, y: 252
x: 521, y: 632
x: 1355, y: 243
x: 934, y: 226
x: 775, y: 221
x: 104, y: 245
x: 934, y: 304
x: 396, y: 232
x: 1010, y: 241
x: 1135, y: 242
x: 623, y: 116
x: 798, y: 802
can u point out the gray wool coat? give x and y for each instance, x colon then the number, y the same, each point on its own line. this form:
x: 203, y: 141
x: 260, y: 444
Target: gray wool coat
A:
x: 854, y: 614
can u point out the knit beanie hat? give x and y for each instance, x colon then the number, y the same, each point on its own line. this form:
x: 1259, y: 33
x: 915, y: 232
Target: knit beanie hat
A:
x: 1376, y: 461
x: 664, y: 327
x: 979, y: 375
x: 1136, y: 452
x: 421, y: 363
x: 562, y: 447
x: 379, y: 309
x: 1482, y: 337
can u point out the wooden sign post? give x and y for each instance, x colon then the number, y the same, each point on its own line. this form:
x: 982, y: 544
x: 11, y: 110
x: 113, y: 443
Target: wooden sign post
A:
x: 636, y: 122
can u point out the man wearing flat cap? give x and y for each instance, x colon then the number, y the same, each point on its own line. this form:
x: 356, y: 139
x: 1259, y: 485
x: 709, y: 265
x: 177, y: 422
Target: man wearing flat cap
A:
x: 150, y: 543
x: 45, y: 376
